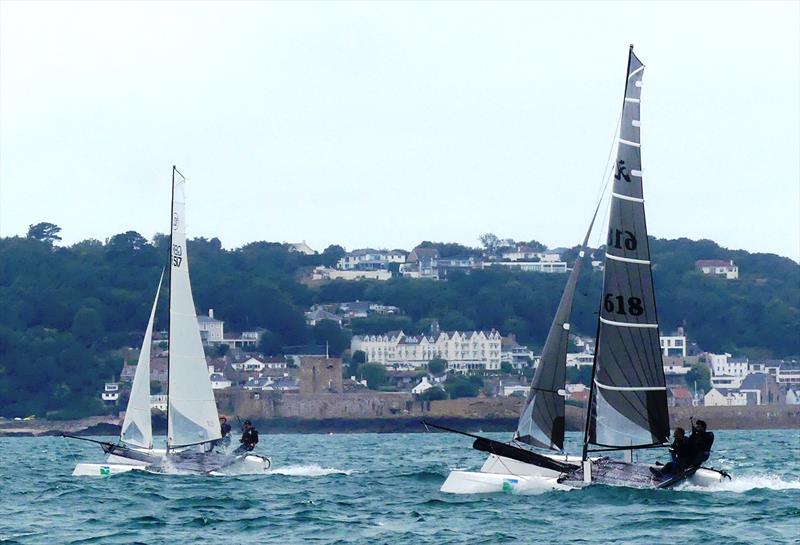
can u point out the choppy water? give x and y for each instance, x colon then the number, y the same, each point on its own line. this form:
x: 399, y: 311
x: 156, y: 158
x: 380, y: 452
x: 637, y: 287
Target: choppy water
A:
x: 372, y: 488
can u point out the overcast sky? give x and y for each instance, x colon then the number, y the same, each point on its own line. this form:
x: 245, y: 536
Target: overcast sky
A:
x: 380, y: 124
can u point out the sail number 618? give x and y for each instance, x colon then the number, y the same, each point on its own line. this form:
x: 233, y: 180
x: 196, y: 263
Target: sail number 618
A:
x: 617, y: 305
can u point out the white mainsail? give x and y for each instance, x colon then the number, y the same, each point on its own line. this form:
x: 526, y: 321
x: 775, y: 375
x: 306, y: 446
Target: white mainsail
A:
x: 137, y: 429
x: 192, y: 412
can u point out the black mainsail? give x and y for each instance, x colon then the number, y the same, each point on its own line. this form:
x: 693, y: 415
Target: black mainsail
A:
x: 541, y: 423
x: 628, y: 399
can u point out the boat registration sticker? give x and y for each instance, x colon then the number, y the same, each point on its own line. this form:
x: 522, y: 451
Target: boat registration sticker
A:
x: 105, y: 470
x: 508, y: 484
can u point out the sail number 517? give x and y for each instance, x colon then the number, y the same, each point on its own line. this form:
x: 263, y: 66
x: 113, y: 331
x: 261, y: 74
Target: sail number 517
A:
x: 618, y: 305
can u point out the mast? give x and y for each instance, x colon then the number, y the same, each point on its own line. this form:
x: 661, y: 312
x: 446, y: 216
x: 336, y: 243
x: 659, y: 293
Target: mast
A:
x: 627, y: 401
x: 590, y: 400
x: 169, y: 292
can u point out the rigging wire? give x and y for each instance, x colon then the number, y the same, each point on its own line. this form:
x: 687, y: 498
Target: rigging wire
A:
x: 608, y: 170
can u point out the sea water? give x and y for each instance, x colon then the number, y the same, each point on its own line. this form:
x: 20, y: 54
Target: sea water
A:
x: 384, y: 488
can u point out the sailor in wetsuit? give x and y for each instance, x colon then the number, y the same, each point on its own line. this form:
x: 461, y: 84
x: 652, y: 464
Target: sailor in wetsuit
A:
x: 700, y: 443
x: 249, y: 438
x: 225, y: 430
x: 680, y: 450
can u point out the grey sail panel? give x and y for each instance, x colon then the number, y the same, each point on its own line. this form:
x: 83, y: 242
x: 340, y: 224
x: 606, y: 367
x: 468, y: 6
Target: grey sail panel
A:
x: 628, y: 401
x: 541, y: 423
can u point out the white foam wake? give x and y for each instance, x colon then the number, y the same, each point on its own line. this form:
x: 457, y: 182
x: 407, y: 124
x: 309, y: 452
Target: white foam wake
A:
x: 311, y: 470
x: 746, y: 483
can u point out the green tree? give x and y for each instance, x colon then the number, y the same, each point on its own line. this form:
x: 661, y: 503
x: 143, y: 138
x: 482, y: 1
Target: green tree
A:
x: 461, y: 386
x: 359, y: 357
x: 44, y: 232
x: 270, y: 344
x: 87, y: 325
x: 700, y: 375
x: 374, y: 373
x: 490, y: 243
x: 506, y: 368
x: 433, y: 394
x: 437, y: 366
x: 331, y: 255
x: 330, y: 333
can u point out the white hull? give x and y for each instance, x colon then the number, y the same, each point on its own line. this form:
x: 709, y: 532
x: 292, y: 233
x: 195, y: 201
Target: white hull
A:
x: 250, y: 464
x: 499, y: 474
x: 103, y: 470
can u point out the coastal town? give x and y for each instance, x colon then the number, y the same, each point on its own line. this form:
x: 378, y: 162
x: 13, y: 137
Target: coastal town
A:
x: 396, y: 370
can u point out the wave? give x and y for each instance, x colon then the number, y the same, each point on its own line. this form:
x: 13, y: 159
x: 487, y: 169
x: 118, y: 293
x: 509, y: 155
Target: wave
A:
x: 747, y: 483
x: 310, y: 470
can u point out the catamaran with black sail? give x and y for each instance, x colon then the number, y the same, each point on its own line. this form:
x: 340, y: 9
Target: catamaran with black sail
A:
x: 628, y: 399
x: 192, y: 419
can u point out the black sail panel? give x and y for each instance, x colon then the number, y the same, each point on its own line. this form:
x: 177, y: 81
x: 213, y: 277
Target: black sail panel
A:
x: 541, y: 423
x: 629, y: 403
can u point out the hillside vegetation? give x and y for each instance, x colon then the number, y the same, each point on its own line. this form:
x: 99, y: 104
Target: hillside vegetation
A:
x: 65, y: 308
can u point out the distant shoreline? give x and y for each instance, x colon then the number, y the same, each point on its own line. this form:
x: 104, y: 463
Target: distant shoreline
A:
x: 718, y: 418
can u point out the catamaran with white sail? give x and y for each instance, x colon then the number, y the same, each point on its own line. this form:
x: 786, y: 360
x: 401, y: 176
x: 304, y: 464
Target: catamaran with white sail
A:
x: 192, y: 419
x: 628, y: 399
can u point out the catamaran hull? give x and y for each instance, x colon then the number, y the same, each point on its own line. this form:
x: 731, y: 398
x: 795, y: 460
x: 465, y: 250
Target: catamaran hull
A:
x: 250, y: 464
x: 618, y: 473
x: 499, y: 474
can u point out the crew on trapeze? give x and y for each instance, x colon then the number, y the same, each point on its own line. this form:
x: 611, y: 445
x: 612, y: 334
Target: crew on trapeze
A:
x: 249, y: 438
x: 687, y: 453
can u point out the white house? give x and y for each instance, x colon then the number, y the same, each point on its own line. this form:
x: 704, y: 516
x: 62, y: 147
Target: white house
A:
x: 788, y: 373
x: 718, y: 267
x: 211, y: 329
x: 367, y: 259
x: 423, y: 386
x: 578, y: 359
x: 218, y: 380
x: 673, y: 345
x: 511, y: 389
x: 110, y: 392
x: 464, y: 351
x: 250, y: 364
x: 727, y: 371
x: 326, y: 273
x: 722, y: 397
x: 159, y: 401
x: 530, y: 266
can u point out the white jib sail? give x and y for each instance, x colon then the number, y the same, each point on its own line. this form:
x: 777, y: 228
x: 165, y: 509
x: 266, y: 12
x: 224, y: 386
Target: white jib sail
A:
x: 192, y: 412
x: 137, y: 429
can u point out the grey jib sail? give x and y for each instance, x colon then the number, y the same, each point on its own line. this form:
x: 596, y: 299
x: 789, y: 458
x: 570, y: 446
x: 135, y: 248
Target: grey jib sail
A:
x: 628, y: 401
x: 541, y: 423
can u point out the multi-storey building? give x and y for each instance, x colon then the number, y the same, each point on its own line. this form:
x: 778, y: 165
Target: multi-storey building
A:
x: 463, y: 350
x: 673, y: 345
x: 367, y: 259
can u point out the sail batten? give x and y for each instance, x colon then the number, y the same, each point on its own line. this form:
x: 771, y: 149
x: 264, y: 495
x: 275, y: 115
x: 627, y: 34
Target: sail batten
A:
x: 628, y: 398
x: 192, y: 411
x: 137, y: 429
